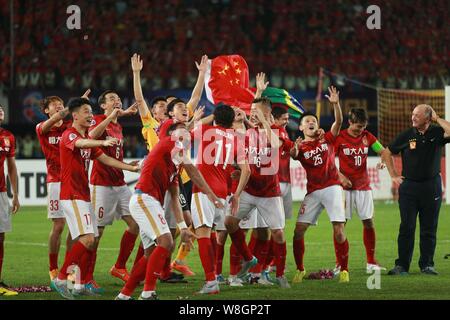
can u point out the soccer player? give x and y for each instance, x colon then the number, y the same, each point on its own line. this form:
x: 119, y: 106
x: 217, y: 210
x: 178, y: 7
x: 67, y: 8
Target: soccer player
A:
x: 7, y: 152
x: 262, y: 191
x: 218, y: 148
x: 76, y: 151
x: 159, y: 175
x: 352, y: 147
x: 324, y: 189
x: 110, y: 194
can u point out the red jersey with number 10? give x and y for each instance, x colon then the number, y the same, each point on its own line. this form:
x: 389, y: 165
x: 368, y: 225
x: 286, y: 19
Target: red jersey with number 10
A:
x: 75, y: 166
x: 352, y: 153
x: 103, y: 175
x: 317, y: 158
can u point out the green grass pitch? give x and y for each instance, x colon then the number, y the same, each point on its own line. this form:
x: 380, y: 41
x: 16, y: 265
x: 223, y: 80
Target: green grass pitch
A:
x: 26, y: 262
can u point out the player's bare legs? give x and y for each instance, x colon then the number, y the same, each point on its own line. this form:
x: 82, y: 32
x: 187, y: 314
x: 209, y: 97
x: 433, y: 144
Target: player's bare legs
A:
x: 167, y: 275
x: 299, y: 250
x: 54, y: 244
x: 221, y: 240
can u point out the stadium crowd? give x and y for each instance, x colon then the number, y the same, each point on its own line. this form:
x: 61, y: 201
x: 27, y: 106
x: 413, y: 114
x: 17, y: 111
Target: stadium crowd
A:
x: 164, y: 31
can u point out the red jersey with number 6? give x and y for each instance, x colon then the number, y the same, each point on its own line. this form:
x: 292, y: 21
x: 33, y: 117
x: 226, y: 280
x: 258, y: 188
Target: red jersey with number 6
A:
x: 352, y: 153
x: 103, y: 175
x: 318, y: 159
x: 75, y: 166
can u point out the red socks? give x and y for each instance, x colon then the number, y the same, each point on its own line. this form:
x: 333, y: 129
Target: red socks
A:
x: 214, y: 242
x: 205, y: 249
x: 260, y: 251
x: 126, y: 247
x: 155, y: 264
x: 369, y: 243
x: 235, y: 260
x: 220, y: 250
x: 166, y: 270
x: 299, y: 252
x: 136, y: 276
x: 279, y: 250
x: 139, y: 254
x: 73, y: 257
x: 238, y: 239
x: 342, y: 254
x: 269, y: 257
x: 91, y: 266
x: 53, y: 261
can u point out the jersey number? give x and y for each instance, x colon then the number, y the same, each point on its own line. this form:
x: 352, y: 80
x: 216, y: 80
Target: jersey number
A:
x: 317, y: 160
x: 54, y: 205
x: 358, y: 160
x: 101, y: 212
x: 219, y: 153
x: 88, y: 219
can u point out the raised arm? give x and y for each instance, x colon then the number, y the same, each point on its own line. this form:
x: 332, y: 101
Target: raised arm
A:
x: 91, y: 143
x: 274, y: 139
x: 261, y: 84
x: 136, y: 66
x: 54, y: 119
x: 443, y: 123
x: 13, y: 178
x: 334, y: 100
x: 97, y: 132
x: 109, y: 161
x: 198, y: 88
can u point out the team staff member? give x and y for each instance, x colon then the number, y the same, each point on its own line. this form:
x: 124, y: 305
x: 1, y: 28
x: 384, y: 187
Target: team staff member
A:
x: 420, y: 190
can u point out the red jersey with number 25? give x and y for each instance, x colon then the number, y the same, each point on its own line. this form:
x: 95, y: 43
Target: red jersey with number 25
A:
x: 317, y: 158
x: 75, y: 166
x: 103, y: 175
x: 352, y: 153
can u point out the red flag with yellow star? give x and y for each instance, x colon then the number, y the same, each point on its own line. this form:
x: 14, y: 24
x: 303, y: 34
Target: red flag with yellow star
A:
x: 227, y: 81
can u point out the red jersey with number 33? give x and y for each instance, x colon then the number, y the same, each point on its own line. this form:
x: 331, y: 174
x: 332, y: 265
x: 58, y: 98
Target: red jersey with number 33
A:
x: 50, y: 148
x: 75, y: 166
x: 7, y: 150
x: 103, y: 175
x: 352, y: 153
x: 317, y: 158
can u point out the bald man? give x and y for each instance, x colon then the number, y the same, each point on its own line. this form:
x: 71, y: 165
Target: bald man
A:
x: 420, y: 185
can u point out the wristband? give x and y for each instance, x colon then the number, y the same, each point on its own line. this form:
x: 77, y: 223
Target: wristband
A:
x: 182, y: 225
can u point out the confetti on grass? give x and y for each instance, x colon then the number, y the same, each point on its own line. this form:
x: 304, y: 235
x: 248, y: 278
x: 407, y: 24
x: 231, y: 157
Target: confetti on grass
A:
x: 32, y: 289
x: 321, y: 275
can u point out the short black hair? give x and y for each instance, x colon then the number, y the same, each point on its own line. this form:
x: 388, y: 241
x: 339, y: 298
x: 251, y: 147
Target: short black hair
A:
x: 224, y: 115
x: 174, y: 127
x: 263, y: 100
x: 277, y: 112
x: 75, y: 103
x: 172, y: 104
x: 155, y: 100
x: 305, y: 114
x: 358, y: 115
x: 102, y: 97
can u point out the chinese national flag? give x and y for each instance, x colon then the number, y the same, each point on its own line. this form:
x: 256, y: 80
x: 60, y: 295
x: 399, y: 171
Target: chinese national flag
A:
x: 227, y: 81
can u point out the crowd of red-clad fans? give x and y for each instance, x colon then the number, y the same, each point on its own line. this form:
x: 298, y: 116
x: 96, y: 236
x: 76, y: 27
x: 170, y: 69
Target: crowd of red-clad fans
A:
x: 289, y: 40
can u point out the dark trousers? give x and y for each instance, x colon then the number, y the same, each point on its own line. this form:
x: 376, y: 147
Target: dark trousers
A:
x: 423, y: 198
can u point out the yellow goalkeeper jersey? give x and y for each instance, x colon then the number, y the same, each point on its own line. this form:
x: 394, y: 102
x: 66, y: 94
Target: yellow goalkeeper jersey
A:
x: 149, y: 132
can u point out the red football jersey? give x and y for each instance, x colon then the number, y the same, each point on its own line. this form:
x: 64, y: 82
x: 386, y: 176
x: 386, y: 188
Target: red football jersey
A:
x: 75, y: 166
x: 103, y: 175
x: 264, y: 165
x: 50, y: 148
x: 352, y: 153
x: 217, y: 151
x: 160, y: 169
x: 317, y: 158
x: 7, y: 150
x: 284, y: 172
x: 164, y: 127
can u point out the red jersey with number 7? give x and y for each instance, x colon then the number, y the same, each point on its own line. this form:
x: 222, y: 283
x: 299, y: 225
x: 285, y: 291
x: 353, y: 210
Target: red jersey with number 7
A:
x: 103, y: 175
x: 352, y: 153
x: 318, y: 159
x: 75, y: 166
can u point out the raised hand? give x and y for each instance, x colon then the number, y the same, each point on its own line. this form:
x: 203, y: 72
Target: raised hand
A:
x: 86, y: 94
x: 136, y: 63
x: 334, y: 95
x: 261, y: 83
x: 203, y: 66
x: 132, y: 110
x: 320, y: 133
x: 198, y: 113
x: 110, y: 142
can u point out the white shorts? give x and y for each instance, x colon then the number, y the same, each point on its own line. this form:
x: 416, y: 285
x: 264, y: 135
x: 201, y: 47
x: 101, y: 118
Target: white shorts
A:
x: 149, y: 215
x: 249, y: 222
x: 269, y: 209
x: 5, y: 213
x: 110, y: 203
x: 204, y: 213
x: 79, y: 217
x: 286, y: 195
x: 362, y: 201
x: 330, y: 198
x: 54, y: 210
x: 168, y: 215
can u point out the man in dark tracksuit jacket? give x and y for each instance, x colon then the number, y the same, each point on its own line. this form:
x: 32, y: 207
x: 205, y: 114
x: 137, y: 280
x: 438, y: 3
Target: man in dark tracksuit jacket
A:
x: 420, y: 190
